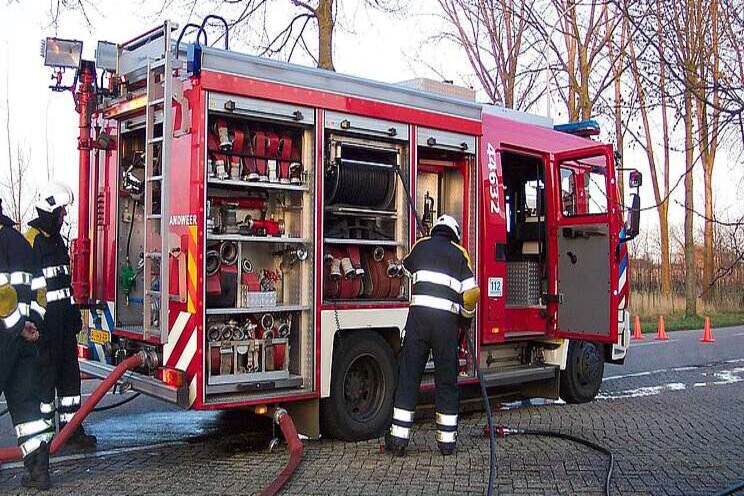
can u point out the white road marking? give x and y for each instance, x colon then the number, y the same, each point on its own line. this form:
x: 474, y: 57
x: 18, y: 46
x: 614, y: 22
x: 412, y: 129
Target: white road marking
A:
x: 724, y: 377
x: 732, y: 335
x: 100, y: 454
x: 650, y: 343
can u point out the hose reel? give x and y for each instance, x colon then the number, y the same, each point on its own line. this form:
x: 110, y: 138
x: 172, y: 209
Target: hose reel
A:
x: 362, y: 176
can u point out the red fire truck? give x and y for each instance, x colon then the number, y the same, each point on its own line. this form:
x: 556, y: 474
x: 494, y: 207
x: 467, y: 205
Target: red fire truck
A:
x: 240, y: 219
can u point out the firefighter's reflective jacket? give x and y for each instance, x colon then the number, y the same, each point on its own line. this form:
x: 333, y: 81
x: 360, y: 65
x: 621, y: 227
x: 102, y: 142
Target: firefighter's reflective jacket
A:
x: 21, y: 285
x: 51, y: 253
x: 442, y: 276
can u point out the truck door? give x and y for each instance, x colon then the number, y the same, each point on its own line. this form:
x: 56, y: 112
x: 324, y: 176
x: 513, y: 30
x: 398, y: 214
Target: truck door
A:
x: 586, y: 230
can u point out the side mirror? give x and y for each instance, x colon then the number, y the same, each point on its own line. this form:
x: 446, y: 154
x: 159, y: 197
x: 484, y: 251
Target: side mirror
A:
x: 636, y: 179
x: 633, y: 224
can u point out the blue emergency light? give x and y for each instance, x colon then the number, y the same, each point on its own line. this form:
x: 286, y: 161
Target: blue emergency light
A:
x: 585, y: 129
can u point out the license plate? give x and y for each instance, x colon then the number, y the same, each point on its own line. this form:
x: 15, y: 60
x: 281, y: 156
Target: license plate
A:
x: 99, y: 336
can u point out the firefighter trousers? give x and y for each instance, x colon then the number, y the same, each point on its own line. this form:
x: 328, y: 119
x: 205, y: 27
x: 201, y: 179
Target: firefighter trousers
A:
x: 19, y: 374
x: 436, y: 331
x: 60, y: 375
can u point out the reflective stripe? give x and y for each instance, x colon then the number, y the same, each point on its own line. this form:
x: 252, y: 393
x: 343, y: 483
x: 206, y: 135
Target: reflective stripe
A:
x: 446, y: 437
x: 35, y: 442
x: 437, y: 278
x: 400, y: 432
x: 402, y: 415
x: 20, y: 278
x: 31, y: 428
x: 4, y: 278
x: 468, y: 314
x: 69, y: 401
x: 434, y: 302
x: 38, y: 283
x: 35, y: 307
x: 65, y: 418
x: 47, y: 408
x: 468, y: 283
x: 12, y: 319
x: 55, y: 271
x: 447, y: 420
x: 24, y: 308
x: 60, y: 294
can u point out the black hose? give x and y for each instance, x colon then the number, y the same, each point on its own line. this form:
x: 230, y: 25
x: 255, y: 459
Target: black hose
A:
x: 101, y: 408
x: 567, y: 437
x: 739, y: 486
x: 489, y: 417
x: 116, y: 405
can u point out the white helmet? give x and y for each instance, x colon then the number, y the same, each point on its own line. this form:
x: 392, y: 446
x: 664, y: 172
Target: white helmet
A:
x: 53, y: 196
x: 449, y: 222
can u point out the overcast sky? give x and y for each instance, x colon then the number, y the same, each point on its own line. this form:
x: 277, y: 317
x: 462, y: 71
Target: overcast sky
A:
x: 368, y: 44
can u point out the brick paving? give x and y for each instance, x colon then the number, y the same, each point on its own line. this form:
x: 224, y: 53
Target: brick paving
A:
x: 676, y: 432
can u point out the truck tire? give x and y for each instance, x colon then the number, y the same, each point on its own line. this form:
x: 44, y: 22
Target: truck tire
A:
x: 362, y: 388
x: 582, y: 378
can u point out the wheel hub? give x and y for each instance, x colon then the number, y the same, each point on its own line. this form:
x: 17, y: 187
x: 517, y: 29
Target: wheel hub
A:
x: 363, y: 388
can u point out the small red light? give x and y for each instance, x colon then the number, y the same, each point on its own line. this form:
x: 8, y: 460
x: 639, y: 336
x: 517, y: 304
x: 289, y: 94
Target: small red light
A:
x: 172, y: 377
x: 83, y: 352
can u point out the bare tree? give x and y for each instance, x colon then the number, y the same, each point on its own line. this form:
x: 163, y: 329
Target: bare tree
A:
x: 15, y: 189
x: 497, y: 39
x: 585, y: 58
x: 290, y: 36
x: 644, y: 84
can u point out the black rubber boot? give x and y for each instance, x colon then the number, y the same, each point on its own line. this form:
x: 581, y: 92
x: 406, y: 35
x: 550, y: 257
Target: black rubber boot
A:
x: 37, y: 464
x: 81, y: 439
x: 446, y: 449
x: 395, y: 446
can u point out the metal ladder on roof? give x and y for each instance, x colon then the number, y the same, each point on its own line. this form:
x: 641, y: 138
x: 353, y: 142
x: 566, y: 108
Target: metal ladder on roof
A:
x: 157, y: 167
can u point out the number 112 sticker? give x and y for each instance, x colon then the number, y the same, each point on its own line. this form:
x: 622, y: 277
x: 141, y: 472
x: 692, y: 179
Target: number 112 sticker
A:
x: 495, y: 287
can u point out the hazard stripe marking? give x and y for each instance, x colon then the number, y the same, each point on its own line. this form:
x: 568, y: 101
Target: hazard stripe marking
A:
x: 188, y: 353
x: 192, y: 391
x: 175, y: 335
x: 191, y: 270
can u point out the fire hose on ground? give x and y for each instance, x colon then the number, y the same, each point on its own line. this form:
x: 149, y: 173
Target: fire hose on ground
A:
x: 296, y: 450
x: 133, y: 362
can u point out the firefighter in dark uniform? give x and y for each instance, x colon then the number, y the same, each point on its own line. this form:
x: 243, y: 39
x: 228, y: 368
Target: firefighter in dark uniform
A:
x: 21, y: 316
x: 60, y: 372
x: 444, y: 294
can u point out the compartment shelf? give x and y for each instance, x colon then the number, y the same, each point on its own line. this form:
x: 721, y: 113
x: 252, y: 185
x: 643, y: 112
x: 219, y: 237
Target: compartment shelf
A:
x: 364, y: 242
x: 260, y: 239
x: 252, y: 310
x: 233, y: 184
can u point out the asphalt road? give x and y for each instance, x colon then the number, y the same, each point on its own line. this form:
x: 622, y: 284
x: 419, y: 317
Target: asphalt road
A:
x: 646, y: 412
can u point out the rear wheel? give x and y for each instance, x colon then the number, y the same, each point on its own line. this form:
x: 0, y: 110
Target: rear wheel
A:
x: 362, y: 387
x: 582, y: 378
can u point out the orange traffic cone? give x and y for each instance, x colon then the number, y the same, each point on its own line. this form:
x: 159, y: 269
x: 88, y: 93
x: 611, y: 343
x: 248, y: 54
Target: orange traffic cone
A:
x: 661, y: 334
x: 707, y: 333
x: 637, y: 331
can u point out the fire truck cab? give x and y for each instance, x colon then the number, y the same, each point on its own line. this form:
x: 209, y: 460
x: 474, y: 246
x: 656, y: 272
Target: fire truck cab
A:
x: 247, y: 214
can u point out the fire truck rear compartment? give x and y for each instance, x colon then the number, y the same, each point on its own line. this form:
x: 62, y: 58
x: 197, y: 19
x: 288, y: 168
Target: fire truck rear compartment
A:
x: 259, y: 263
x: 131, y: 224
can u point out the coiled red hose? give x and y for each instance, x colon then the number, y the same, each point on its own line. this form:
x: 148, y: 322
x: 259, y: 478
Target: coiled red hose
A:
x: 296, y: 450
x: 133, y: 362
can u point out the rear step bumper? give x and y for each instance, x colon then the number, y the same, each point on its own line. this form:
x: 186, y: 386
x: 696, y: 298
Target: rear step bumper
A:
x: 141, y: 383
x: 514, y: 376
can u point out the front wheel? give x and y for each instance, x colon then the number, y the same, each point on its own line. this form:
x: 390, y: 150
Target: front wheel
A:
x: 582, y: 378
x: 362, y: 388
